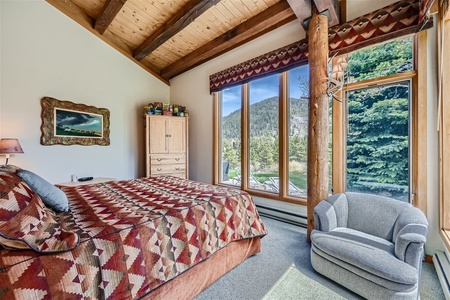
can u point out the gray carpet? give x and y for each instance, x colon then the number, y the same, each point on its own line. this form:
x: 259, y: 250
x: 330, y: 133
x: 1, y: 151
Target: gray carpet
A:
x: 283, y: 268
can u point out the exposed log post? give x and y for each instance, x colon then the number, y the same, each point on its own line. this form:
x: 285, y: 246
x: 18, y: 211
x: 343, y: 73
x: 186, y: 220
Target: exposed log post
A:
x: 318, y: 115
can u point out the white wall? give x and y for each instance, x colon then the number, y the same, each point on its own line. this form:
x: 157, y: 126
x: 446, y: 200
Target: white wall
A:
x: 45, y: 53
x: 192, y: 90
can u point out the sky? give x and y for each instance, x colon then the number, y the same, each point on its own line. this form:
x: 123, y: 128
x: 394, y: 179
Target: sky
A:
x: 262, y: 89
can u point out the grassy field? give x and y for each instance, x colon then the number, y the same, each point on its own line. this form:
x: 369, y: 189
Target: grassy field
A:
x: 297, y: 178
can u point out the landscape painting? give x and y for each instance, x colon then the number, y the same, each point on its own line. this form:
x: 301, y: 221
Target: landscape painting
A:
x: 68, y: 123
x: 78, y: 124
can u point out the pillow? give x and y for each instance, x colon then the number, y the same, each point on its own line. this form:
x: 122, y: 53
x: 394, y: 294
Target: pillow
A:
x: 26, y: 223
x: 10, y: 168
x: 52, y: 196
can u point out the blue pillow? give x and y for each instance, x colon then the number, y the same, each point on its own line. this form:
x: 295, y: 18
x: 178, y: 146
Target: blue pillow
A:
x: 52, y: 196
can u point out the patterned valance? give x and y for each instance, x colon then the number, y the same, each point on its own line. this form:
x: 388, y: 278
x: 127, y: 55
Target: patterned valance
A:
x: 398, y: 19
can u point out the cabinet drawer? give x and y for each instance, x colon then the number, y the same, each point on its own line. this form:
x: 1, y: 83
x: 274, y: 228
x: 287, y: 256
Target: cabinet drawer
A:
x: 165, y: 169
x: 167, y: 159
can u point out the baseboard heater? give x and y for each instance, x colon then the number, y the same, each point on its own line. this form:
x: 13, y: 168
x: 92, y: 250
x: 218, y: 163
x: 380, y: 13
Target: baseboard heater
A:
x: 442, y: 266
x: 282, y: 215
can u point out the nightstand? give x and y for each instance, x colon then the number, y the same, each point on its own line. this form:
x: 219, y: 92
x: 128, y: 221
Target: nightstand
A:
x: 79, y: 183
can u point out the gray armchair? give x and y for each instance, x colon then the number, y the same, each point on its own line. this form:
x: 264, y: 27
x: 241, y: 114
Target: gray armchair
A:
x: 370, y: 244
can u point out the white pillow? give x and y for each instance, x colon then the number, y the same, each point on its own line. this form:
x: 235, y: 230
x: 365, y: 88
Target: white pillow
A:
x: 52, y: 196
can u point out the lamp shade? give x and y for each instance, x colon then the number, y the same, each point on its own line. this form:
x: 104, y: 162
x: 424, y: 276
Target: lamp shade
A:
x: 9, y: 146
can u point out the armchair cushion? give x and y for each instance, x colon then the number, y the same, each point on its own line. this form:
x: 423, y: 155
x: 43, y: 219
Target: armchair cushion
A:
x: 368, y: 254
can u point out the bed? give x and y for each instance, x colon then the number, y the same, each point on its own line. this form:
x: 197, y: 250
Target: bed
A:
x: 147, y: 238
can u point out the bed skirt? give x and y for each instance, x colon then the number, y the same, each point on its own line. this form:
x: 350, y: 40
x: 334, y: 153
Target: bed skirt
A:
x: 190, y: 283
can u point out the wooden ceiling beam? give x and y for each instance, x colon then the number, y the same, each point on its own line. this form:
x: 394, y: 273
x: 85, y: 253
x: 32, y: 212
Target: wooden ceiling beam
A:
x: 273, y: 17
x: 302, y: 9
x: 180, y: 20
x: 331, y: 9
x: 109, y: 12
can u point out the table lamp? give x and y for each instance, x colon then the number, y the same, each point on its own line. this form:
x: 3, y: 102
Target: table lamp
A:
x: 9, y: 146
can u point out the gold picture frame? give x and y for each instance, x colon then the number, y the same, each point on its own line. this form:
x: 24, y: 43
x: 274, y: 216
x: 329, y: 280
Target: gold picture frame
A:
x: 68, y: 123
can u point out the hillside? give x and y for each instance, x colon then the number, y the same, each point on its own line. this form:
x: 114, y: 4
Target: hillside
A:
x: 264, y: 119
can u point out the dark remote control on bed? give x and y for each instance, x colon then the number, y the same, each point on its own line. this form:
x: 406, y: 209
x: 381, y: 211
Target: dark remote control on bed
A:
x: 85, y: 178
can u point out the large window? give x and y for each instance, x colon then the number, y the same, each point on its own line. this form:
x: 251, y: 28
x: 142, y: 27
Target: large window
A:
x: 371, y: 149
x: 263, y: 127
x: 264, y: 133
x: 298, y: 111
x: 378, y: 119
x: 378, y: 140
x: 231, y: 126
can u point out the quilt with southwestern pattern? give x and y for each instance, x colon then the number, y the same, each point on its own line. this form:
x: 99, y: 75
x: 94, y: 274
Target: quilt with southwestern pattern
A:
x: 134, y: 236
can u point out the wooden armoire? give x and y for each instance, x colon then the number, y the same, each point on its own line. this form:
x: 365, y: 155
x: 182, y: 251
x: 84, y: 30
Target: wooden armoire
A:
x: 166, y: 144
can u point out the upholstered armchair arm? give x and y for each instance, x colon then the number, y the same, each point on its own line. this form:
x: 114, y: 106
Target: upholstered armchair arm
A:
x: 324, y: 216
x: 409, y: 248
x: 410, y: 233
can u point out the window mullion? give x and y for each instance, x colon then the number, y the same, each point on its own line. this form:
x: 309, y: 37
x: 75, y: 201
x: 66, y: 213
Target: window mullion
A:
x: 245, y: 154
x: 217, y: 141
x: 283, y: 137
x: 338, y: 138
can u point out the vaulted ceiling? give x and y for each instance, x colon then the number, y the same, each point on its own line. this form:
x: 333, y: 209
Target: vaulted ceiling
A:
x: 168, y: 37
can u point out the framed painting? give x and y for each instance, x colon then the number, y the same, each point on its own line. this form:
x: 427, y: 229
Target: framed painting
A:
x: 68, y: 123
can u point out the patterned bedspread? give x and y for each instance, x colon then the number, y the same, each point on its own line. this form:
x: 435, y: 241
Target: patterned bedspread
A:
x: 134, y: 236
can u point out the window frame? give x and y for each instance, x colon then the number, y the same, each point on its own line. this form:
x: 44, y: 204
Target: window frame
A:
x: 418, y: 185
x: 341, y: 168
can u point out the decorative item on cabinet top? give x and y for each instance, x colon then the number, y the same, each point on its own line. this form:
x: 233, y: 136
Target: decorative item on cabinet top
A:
x: 166, y: 109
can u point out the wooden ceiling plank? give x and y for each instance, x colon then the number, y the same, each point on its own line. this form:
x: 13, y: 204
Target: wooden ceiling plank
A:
x: 140, y: 18
x: 109, y: 12
x: 214, y: 22
x: 225, y: 19
x: 261, y: 5
x: 240, y: 5
x: 203, y: 29
x: 233, y: 10
x: 135, y: 24
x: 270, y: 19
x: 179, y: 21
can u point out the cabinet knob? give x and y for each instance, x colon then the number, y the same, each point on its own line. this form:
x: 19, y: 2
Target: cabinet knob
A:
x: 177, y: 158
x: 159, y: 169
x: 159, y: 159
x: 177, y: 168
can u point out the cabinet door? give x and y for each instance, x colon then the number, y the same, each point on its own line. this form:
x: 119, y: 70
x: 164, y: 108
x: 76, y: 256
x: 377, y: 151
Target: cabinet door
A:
x: 177, y: 137
x: 158, y: 136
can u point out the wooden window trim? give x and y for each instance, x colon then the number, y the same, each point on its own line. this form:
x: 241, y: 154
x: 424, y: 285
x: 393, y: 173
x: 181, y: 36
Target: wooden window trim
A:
x: 420, y: 121
x: 444, y: 125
